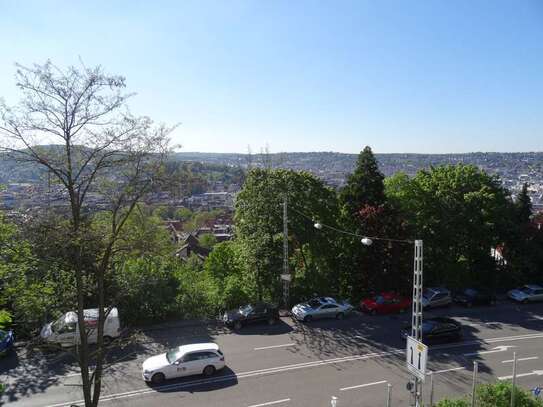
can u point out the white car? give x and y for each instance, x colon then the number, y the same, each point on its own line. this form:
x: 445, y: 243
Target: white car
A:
x: 186, y: 360
x: 321, y: 307
x: 527, y: 293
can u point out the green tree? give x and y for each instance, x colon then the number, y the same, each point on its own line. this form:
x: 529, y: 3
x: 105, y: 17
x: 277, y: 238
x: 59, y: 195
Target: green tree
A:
x: 460, y: 212
x: 364, y: 186
x: 259, y: 225
x: 73, y: 124
x: 207, y: 240
x: 523, y: 205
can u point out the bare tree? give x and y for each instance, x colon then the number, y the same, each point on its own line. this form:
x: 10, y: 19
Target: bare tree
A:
x: 75, y: 124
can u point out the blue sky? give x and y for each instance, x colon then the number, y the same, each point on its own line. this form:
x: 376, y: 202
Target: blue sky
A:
x: 400, y: 76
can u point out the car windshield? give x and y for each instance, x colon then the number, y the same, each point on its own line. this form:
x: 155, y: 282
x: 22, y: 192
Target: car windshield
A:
x: 58, y: 324
x: 426, y: 293
x: 314, y: 303
x: 173, y: 354
x: 246, y: 310
x: 526, y: 290
x: 470, y: 292
x: 428, y: 326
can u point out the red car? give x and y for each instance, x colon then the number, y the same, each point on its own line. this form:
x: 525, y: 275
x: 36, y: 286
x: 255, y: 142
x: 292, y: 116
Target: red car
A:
x: 385, y: 303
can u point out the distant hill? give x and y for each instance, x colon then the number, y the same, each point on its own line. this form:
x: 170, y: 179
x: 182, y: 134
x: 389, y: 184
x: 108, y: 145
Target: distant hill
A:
x: 330, y: 166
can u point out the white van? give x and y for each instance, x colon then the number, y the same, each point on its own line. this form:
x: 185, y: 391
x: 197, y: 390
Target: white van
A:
x: 65, y: 330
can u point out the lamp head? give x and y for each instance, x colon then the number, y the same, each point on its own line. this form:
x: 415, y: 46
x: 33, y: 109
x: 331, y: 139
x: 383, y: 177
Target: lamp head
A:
x: 366, y: 241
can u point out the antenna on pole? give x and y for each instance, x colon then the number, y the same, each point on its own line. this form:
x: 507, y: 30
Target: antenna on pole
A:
x: 285, y: 277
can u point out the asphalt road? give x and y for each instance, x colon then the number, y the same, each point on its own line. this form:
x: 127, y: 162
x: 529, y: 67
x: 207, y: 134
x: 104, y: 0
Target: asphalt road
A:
x: 292, y: 364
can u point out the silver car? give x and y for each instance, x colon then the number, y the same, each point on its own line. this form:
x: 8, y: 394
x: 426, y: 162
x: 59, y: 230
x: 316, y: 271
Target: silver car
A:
x: 436, y: 297
x: 527, y: 293
x: 321, y: 307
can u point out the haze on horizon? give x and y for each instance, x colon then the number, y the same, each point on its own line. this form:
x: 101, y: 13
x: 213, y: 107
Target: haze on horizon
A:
x: 418, y: 77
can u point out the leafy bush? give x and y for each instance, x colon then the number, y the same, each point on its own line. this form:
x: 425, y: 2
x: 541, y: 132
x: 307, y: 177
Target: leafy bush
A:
x: 496, y: 395
x: 5, y: 319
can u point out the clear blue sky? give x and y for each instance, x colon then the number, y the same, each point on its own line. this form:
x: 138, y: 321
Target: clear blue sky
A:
x: 400, y: 76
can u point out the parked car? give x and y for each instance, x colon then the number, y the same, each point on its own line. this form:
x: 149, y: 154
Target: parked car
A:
x: 527, y: 293
x: 7, y: 339
x: 436, y: 297
x: 251, y: 313
x: 65, y: 330
x: 385, y: 303
x: 321, y: 307
x: 437, y: 330
x: 185, y: 360
x: 473, y: 296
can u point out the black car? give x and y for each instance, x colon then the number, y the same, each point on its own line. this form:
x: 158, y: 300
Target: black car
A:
x: 472, y: 296
x: 438, y: 330
x: 251, y: 313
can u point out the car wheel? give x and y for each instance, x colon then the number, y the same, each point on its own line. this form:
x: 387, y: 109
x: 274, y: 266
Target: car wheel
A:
x: 209, y: 370
x: 158, y: 378
x: 308, y: 318
x: 238, y: 325
x: 272, y: 321
x: 107, y: 340
x: 340, y: 315
x: 373, y: 312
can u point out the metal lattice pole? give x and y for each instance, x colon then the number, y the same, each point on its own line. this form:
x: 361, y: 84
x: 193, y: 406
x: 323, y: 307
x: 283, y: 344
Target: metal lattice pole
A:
x: 474, y: 384
x: 514, y: 379
x: 286, y: 274
x: 416, y: 323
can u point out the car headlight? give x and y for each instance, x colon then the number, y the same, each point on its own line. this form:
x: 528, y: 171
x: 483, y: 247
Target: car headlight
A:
x: 147, y: 371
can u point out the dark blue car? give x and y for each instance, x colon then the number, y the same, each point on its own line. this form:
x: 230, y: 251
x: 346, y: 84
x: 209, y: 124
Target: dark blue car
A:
x: 7, y: 338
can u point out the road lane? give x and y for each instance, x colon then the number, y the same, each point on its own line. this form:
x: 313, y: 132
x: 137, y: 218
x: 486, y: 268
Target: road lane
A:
x: 322, y: 341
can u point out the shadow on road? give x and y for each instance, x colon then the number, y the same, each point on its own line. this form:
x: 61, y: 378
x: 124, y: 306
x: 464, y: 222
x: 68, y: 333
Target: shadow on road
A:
x: 199, y: 383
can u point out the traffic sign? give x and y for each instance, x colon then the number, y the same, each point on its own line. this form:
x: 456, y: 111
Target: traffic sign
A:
x: 416, y: 356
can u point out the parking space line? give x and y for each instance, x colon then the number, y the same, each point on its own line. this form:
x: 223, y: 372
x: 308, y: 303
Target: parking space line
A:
x: 275, y: 346
x: 447, y: 370
x: 363, y: 385
x: 270, y: 403
x: 521, y: 359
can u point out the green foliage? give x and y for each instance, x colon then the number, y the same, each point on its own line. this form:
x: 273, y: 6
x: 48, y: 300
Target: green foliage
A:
x: 207, y: 240
x: 364, y: 186
x: 259, y: 225
x: 183, y: 214
x: 228, y: 275
x: 5, y: 319
x: 148, y: 288
x: 453, y: 403
x: 461, y: 213
x: 496, y: 395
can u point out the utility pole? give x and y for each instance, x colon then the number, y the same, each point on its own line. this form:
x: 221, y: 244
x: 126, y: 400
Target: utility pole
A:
x: 416, y: 322
x: 285, y: 277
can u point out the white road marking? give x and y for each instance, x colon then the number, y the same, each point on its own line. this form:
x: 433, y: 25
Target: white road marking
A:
x: 275, y: 346
x: 483, y: 323
x: 279, y: 369
x: 521, y: 359
x: 363, y: 385
x: 501, y: 348
x: 269, y: 403
x: 532, y: 373
x: 446, y: 370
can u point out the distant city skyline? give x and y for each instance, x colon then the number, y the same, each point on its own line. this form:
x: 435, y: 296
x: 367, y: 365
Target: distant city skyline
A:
x: 419, y: 77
